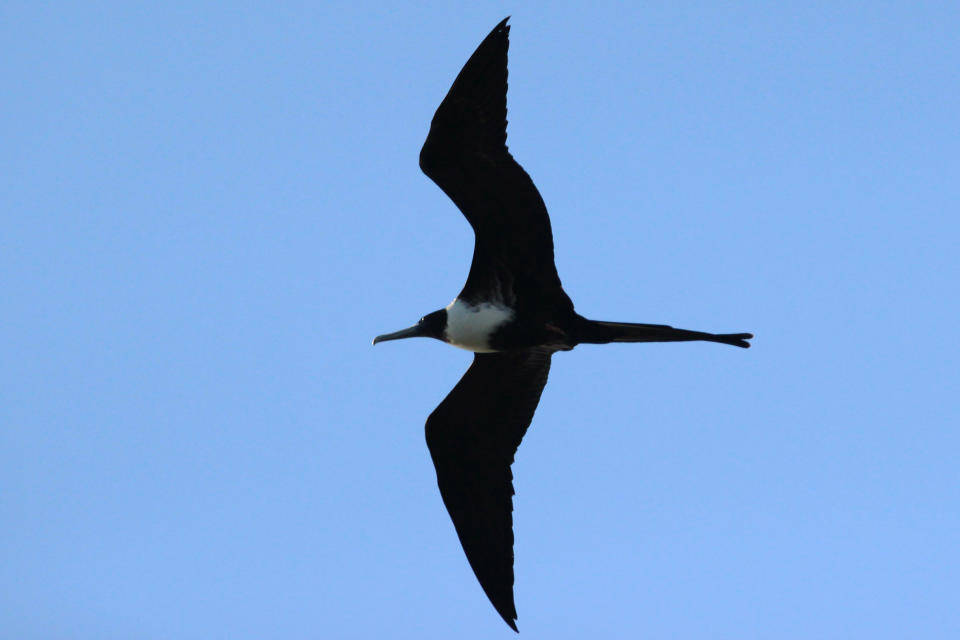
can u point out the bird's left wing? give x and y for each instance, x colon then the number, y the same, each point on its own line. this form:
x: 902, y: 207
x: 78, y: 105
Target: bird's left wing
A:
x: 466, y: 154
x: 472, y: 437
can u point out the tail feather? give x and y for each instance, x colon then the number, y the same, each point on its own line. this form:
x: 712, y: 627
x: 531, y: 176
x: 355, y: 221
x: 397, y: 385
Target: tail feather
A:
x: 600, y: 332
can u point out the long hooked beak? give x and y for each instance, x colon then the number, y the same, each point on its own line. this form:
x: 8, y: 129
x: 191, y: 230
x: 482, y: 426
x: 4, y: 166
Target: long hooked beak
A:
x: 410, y: 332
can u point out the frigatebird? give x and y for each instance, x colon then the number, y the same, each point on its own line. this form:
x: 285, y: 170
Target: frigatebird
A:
x: 512, y: 313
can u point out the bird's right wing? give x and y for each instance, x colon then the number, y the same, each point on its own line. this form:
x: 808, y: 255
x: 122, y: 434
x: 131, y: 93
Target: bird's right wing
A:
x: 472, y: 437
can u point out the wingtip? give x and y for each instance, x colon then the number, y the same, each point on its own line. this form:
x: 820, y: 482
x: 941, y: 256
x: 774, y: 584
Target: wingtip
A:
x: 507, y: 611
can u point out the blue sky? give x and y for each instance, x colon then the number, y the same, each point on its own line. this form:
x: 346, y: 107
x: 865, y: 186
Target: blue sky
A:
x: 210, y: 210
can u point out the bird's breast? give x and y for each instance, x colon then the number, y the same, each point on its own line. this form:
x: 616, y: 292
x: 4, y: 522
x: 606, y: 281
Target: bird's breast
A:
x: 469, y: 326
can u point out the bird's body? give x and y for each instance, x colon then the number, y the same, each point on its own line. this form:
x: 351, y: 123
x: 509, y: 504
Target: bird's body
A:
x: 512, y: 313
x: 472, y: 326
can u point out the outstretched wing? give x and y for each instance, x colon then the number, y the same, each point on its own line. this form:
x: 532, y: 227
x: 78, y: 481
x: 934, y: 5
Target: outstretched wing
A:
x: 466, y: 155
x: 472, y: 437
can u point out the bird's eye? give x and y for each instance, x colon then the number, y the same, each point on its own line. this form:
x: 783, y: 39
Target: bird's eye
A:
x: 420, y: 321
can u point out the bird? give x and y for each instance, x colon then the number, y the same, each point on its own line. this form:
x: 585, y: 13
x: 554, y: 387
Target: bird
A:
x: 512, y: 313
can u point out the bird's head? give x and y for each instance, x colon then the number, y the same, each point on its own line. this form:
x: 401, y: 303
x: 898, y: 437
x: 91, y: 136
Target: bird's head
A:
x: 431, y: 325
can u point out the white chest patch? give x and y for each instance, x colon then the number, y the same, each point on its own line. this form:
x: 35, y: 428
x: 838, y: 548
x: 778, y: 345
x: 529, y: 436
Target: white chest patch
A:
x: 470, y: 327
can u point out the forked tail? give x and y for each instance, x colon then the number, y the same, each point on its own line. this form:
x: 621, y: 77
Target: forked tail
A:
x: 599, y: 332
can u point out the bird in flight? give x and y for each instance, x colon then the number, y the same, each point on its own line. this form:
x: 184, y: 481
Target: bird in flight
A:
x: 512, y: 313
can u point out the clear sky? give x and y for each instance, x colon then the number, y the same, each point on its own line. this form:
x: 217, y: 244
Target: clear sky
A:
x: 209, y: 209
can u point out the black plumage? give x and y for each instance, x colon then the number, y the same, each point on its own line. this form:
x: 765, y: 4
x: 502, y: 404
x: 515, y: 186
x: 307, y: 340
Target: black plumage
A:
x: 474, y: 433
x: 472, y: 445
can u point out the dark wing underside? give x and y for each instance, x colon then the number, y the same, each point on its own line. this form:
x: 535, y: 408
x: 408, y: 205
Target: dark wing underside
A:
x: 466, y: 155
x: 472, y: 437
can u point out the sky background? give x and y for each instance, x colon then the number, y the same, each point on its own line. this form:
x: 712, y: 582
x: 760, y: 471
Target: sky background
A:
x: 210, y: 209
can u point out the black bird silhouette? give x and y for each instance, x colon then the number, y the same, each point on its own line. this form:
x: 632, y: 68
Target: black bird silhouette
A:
x: 512, y: 313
